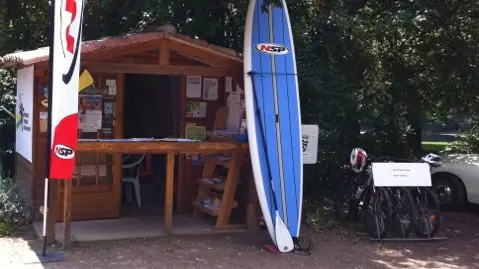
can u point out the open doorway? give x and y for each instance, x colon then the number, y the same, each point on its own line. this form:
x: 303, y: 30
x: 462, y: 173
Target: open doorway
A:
x: 151, y: 110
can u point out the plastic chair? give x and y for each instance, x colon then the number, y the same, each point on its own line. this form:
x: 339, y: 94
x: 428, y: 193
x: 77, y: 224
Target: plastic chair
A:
x: 133, y: 177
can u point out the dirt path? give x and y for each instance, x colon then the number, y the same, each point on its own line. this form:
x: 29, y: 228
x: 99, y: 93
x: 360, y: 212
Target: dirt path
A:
x: 332, y: 250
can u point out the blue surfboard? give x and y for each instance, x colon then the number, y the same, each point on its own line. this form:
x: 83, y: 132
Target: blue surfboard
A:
x: 273, y: 114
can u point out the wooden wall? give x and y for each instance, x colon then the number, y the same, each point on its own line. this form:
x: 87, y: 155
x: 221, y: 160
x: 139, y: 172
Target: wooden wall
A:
x: 24, y: 177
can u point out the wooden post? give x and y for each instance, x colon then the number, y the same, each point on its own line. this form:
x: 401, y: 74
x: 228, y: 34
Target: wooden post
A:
x: 252, y: 212
x: 67, y: 214
x: 170, y: 176
x: 230, y: 190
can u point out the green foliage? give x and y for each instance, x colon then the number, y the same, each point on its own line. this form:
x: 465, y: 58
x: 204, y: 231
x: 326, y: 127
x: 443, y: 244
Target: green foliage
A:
x: 8, y: 228
x: 14, y: 209
x: 468, y: 143
x: 7, y: 122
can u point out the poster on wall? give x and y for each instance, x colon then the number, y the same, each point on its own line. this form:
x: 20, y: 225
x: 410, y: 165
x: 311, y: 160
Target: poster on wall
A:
x: 210, y: 89
x: 108, y: 112
x: 196, y: 109
x: 193, y: 87
x: 44, y: 95
x: 24, y: 112
x: 90, y: 113
x: 43, y: 121
x: 110, y: 86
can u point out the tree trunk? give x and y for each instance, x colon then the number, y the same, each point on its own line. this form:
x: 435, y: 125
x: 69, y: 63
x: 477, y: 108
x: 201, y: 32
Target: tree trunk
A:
x: 413, y: 118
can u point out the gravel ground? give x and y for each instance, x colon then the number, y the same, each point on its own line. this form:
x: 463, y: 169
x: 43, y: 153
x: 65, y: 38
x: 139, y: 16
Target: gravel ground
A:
x: 333, y: 249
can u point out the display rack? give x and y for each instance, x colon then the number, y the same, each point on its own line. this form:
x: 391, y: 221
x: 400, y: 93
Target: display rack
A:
x: 216, y: 195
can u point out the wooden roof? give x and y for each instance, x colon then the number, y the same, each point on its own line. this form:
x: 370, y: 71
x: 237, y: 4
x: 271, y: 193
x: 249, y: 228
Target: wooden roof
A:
x: 128, y: 44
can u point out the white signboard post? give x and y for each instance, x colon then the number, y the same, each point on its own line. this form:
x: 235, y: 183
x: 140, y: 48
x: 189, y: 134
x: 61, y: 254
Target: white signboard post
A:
x: 401, y: 175
x: 309, y: 143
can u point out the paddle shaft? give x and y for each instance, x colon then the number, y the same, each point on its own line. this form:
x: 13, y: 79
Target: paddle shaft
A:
x: 265, y: 147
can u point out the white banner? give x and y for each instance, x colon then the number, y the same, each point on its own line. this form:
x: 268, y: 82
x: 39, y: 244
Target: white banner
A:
x: 64, y: 103
x: 24, y: 112
x: 401, y: 175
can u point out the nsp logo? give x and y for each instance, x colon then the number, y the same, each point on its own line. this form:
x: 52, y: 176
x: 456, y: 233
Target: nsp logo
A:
x: 275, y: 49
x: 63, y: 152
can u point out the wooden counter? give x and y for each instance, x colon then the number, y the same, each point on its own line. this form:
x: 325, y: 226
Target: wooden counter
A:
x: 109, y: 146
x: 124, y: 146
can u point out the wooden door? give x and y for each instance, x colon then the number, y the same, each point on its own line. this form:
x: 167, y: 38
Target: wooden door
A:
x: 96, y: 191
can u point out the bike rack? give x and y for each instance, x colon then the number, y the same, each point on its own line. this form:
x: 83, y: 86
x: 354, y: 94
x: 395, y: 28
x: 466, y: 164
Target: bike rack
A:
x: 406, y: 237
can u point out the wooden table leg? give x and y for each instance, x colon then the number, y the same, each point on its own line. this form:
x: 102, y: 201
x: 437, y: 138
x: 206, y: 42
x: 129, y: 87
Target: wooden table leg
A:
x: 67, y: 214
x: 170, y: 176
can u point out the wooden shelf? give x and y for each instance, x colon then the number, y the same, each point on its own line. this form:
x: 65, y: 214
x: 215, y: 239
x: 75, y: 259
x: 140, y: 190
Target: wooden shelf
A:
x: 207, y: 210
x: 210, y: 211
x: 218, y: 187
x: 224, y: 161
x: 225, y: 191
x: 214, y: 194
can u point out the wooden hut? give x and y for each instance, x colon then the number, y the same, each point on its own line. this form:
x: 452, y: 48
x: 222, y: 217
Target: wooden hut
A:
x: 141, y: 85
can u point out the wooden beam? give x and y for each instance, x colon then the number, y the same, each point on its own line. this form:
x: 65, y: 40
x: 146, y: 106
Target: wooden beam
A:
x: 119, y: 133
x: 132, y: 60
x: 127, y: 49
x: 164, y: 54
x: 152, y: 69
x: 203, y: 56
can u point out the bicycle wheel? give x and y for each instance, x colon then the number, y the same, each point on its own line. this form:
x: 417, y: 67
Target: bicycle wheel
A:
x: 404, y: 211
x: 378, y: 212
x: 344, y: 204
x: 429, y: 212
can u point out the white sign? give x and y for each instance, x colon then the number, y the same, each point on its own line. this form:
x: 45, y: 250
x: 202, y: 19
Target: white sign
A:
x: 210, y: 89
x: 24, y: 112
x: 309, y: 143
x: 401, y: 175
x: 193, y: 87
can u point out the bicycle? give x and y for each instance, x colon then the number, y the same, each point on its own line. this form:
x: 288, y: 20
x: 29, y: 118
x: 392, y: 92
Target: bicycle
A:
x: 373, y: 201
x: 404, y: 213
x: 426, y: 213
x: 428, y: 204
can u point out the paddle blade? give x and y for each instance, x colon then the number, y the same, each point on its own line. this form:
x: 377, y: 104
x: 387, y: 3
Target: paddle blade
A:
x: 284, y: 241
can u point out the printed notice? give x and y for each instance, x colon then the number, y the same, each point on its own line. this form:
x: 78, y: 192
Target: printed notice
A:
x: 401, y: 175
x: 193, y: 87
x: 210, y: 91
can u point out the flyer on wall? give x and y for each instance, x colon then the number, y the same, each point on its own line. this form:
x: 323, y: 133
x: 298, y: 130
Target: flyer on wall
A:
x: 90, y: 113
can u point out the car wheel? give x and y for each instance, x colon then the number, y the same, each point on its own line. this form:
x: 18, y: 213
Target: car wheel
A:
x: 450, y: 191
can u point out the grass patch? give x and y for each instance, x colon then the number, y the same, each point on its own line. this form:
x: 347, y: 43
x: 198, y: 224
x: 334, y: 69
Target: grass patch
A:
x: 434, y: 147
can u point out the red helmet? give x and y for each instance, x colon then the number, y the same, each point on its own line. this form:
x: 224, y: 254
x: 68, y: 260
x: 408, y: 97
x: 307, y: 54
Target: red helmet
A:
x: 358, y: 159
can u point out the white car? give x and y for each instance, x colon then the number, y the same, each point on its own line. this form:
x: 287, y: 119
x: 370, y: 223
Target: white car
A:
x: 457, y: 180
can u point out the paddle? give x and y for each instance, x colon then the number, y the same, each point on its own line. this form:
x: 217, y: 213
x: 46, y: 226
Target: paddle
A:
x: 283, y: 238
